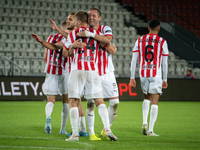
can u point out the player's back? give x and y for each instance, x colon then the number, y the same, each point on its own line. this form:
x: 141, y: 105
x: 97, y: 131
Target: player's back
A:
x: 150, y: 49
x: 84, y: 58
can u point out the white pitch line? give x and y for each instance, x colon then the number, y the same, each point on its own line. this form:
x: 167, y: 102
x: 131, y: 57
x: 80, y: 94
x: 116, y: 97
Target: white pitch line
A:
x: 21, y: 137
x: 38, y: 147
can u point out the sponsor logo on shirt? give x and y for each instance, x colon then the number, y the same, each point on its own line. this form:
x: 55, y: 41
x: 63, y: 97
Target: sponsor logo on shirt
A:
x: 152, y: 66
x: 86, y: 58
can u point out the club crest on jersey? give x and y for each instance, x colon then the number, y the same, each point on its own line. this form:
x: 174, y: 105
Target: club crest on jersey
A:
x: 86, y: 58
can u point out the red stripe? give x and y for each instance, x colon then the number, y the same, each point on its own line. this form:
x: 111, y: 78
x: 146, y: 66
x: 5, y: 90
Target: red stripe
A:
x: 165, y: 54
x: 139, y: 50
x: 49, y: 58
x: 69, y: 61
x: 104, y: 61
x: 97, y: 50
x: 79, y: 66
x: 86, y: 54
x: 155, y: 55
x: 102, y: 29
x: 143, y: 54
x: 99, y: 62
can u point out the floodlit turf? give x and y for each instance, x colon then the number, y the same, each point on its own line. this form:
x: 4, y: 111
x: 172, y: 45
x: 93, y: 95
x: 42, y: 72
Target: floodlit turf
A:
x: 22, y: 127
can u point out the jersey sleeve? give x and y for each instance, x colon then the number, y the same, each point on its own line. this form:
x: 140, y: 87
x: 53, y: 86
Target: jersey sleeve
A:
x: 165, y: 51
x: 107, y: 31
x: 165, y: 68
x: 136, y: 48
x: 133, y: 65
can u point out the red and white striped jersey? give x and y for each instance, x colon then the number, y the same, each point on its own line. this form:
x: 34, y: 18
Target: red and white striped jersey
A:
x: 68, y: 65
x: 84, y: 58
x: 150, y: 47
x: 54, y: 60
x: 105, y: 63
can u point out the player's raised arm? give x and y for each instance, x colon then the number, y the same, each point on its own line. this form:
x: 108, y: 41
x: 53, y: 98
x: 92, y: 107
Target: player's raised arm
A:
x: 55, y: 27
x: 97, y: 37
x: 51, y: 46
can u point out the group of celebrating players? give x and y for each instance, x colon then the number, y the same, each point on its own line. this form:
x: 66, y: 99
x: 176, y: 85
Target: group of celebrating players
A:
x: 79, y: 63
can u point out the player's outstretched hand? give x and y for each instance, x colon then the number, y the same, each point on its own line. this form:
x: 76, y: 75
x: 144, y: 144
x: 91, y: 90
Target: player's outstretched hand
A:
x: 82, y: 33
x: 132, y: 83
x: 78, y: 44
x: 36, y: 37
x: 53, y: 25
x: 164, y: 85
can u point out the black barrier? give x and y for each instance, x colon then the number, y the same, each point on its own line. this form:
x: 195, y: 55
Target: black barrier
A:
x: 30, y: 88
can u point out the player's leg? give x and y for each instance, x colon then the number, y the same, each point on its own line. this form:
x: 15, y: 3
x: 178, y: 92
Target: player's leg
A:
x: 103, y: 113
x: 82, y: 124
x: 145, y: 112
x: 51, y: 90
x: 90, y: 120
x: 48, y: 110
x: 64, y: 113
x: 112, y: 109
x: 110, y: 91
x: 153, y: 113
x: 74, y: 115
x: 63, y: 87
x: 93, y: 89
x: 76, y: 85
x: 155, y: 90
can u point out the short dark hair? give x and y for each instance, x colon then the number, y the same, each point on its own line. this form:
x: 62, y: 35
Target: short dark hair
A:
x: 190, y: 70
x: 98, y: 11
x: 154, y: 23
x: 72, y: 14
x: 82, y: 16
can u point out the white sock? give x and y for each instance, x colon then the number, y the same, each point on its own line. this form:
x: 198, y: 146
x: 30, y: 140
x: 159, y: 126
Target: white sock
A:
x: 49, y: 109
x: 112, y: 109
x: 103, y: 112
x: 64, y: 116
x: 90, y: 121
x: 145, y: 110
x: 153, y: 117
x: 82, y: 124
x: 74, y: 115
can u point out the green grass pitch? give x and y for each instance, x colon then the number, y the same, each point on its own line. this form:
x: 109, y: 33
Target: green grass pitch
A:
x: 22, y: 127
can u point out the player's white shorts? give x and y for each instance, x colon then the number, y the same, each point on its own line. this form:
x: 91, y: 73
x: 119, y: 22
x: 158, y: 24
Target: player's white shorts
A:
x: 152, y: 85
x: 56, y: 84
x: 109, y: 85
x: 89, y: 82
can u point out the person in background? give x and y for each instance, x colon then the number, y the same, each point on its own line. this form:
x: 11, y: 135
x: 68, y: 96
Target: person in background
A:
x: 189, y: 74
